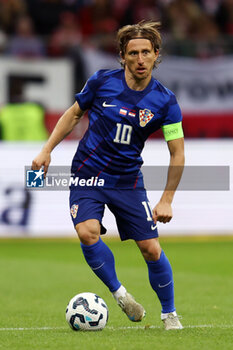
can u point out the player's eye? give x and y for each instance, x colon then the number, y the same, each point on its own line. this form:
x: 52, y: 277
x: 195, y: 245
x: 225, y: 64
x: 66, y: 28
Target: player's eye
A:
x: 133, y: 53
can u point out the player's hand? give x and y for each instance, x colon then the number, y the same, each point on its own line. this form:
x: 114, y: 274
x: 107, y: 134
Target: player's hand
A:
x: 162, y: 212
x: 43, y: 159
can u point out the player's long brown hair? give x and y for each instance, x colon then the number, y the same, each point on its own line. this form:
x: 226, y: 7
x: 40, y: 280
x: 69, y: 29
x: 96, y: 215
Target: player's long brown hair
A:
x: 144, y: 29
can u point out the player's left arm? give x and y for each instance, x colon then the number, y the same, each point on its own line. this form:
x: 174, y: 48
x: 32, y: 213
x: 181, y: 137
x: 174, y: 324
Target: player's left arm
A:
x: 163, y: 210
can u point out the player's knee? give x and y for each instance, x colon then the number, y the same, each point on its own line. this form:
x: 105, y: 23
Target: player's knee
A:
x: 88, y: 231
x: 152, y: 254
x: 150, y: 249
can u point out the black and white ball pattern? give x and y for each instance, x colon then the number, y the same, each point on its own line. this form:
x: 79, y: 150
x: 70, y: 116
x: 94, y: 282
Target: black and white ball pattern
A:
x: 87, y: 311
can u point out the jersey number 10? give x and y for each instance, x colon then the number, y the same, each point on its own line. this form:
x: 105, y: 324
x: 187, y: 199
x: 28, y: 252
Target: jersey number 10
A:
x: 123, y: 134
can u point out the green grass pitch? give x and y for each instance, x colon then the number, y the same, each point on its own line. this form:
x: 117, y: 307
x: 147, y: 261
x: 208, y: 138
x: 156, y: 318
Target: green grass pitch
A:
x: 39, y: 277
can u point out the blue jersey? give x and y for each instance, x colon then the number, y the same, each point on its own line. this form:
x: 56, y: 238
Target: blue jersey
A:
x: 120, y: 121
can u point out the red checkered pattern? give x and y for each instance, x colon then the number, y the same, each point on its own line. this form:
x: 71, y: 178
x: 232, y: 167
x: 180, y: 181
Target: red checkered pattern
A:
x: 145, y: 116
x: 74, y: 210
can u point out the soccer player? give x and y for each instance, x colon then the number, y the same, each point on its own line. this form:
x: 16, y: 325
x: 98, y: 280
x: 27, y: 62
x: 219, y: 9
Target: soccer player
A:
x: 125, y: 107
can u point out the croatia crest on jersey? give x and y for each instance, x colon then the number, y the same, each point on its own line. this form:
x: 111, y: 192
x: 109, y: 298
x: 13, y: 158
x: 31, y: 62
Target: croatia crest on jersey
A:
x: 74, y: 210
x: 145, y: 115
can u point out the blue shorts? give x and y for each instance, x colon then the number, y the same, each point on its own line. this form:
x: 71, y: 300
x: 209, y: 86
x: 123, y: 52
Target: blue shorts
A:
x: 131, y: 209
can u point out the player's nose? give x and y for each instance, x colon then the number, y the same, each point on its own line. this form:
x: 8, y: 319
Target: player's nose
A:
x: 140, y: 58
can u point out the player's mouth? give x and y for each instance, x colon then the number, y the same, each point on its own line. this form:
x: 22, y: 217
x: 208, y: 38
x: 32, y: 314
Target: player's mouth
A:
x: 141, y: 70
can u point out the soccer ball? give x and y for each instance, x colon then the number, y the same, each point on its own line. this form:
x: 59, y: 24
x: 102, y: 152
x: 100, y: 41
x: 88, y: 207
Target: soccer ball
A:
x: 87, y: 311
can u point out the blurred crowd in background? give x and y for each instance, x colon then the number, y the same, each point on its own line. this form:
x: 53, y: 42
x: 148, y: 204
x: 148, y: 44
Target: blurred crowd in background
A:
x: 56, y: 28
x: 35, y: 29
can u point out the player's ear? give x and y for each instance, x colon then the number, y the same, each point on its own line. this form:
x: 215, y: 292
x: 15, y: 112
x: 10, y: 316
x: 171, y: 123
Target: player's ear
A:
x: 156, y: 57
x: 122, y: 59
x: 156, y: 54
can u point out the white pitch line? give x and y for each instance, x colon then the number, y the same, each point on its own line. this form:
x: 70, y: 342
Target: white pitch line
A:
x: 32, y: 328
x: 113, y: 328
x: 210, y: 326
x: 158, y: 327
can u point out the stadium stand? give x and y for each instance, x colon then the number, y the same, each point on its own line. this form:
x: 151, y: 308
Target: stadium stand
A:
x: 200, y: 29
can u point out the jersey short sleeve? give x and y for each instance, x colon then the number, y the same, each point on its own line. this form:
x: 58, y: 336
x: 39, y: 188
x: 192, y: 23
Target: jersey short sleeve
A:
x: 87, y: 94
x: 172, y: 123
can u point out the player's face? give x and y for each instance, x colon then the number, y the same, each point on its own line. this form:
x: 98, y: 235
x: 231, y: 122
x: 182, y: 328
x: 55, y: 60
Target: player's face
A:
x: 139, y: 59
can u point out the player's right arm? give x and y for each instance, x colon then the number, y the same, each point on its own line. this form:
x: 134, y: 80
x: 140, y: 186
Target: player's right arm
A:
x: 64, y: 126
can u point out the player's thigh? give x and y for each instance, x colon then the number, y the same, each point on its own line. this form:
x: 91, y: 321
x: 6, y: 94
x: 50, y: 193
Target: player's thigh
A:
x: 133, y: 215
x: 86, y: 209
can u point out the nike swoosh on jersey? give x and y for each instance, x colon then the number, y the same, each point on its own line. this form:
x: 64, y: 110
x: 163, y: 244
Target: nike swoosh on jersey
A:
x: 165, y: 285
x: 107, y: 105
x: 153, y: 227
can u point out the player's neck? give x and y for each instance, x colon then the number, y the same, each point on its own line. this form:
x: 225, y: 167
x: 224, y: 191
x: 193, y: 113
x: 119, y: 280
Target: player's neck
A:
x: 136, y: 84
